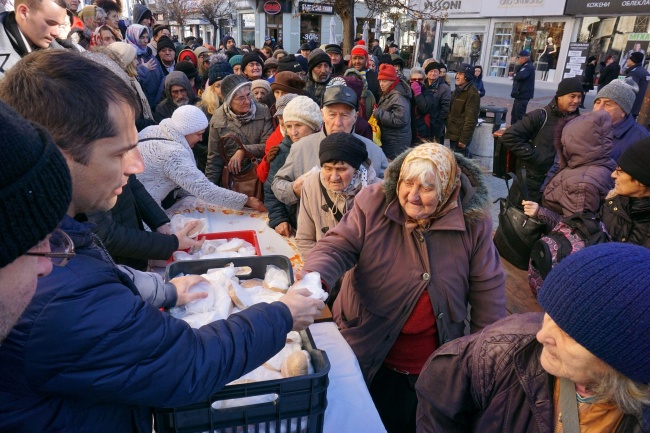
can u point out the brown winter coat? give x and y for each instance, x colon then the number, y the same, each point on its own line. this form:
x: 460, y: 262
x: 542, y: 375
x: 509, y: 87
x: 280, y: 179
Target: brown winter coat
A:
x: 463, y: 114
x: 252, y: 134
x: 455, y: 261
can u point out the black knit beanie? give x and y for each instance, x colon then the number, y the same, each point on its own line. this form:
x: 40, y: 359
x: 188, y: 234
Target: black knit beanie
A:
x: 219, y: 69
x: 35, y: 185
x: 289, y: 63
x: 165, y: 42
x: 569, y: 85
x: 342, y: 146
x: 317, y: 57
x: 251, y: 57
x: 635, y: 161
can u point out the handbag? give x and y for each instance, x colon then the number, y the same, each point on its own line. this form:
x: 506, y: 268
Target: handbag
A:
x: 246, y: 181
x: 517, y: 232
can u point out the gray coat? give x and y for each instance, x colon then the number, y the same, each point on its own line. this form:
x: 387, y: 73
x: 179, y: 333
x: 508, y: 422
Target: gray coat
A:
x: 393, y: 114
x: 253, y: 136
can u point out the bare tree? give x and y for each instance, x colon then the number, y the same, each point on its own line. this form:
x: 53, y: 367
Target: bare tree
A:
x: 213, y: 10
x: 176, y: 10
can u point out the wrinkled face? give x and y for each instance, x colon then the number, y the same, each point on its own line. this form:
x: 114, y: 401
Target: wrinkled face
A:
x: 96, y: 185
x: 460, y: 78
x: 242, y: 100
x: 41, y: 26
x: 163, y: 32
x: 336, y: 58
x: 19, y: 280
x: 614, y: 110
x: 339, y: 118
x: 237, y: 69
x: 627, y: 186
x: 358, y: 62
x: 167, y: 55
x: 562, y: 356
x: 570, y: 102
x: 433, y: 75
x: 179, y: 95
x: 230, y: 44
x: 253, y: 70
x: 385, y: 85
x: 337, y: 176
x: 418, y: 199
x: 521, y: 59
x: 113, y: 20
x: 278, y: 93
x: 259, y: 93
x: 321, y: 72
x: 416, y: 78
x: 297, y: 130
x: 107, y: 37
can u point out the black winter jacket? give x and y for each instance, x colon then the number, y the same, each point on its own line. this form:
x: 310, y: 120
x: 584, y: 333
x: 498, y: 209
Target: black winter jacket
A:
x: 523, y: 82
x: 640, y: 76
x: 532, y: 140
x: 278, y: 211
x: 421, y: 115
x: 627, y: 219
x: 608, y: 74
x: 441, y: 103
x: 122, y: 232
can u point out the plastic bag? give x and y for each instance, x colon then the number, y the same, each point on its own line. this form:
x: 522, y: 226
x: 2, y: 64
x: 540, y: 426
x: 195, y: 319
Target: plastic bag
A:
x: 376, y: 132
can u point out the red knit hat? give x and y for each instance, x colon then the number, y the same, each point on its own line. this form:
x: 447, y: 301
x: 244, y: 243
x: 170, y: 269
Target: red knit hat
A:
x: 387, y: 72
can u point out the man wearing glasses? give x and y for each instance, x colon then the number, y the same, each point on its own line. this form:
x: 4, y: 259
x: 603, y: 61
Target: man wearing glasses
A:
x: 35, y: 191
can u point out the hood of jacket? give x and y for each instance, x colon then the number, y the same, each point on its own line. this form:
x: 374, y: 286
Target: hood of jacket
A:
x: 402, y: 88
x: 177, y: 78
x: 587, y: 139
x: 138, y: 12
x: 474, y: 193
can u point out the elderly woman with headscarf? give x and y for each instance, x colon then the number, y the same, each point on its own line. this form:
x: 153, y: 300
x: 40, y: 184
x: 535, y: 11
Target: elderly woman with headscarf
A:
x: 240, y: 116
x: 150, y: 72
x: 102, y: 37
x: 419, y: 247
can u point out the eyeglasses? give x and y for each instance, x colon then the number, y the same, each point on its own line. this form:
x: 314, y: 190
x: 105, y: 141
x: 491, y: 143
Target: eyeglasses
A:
x: 243, y: 98
x: 61, y: 248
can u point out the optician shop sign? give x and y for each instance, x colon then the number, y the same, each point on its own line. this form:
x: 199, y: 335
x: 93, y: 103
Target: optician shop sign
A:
x: 610, y: 7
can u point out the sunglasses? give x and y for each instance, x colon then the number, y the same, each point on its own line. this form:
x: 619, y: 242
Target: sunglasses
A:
x: 418, y: 80
x: 61, y: 248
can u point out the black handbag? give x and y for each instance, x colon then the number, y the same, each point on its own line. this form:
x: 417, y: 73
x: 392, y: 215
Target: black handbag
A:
x: 517, y: 232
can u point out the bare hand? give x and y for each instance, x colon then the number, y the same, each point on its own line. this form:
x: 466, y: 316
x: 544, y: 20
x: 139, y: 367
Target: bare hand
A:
x: 272, y: 153
x: 530, y: 208
x: 184, y: 241
x: 150, y: 65
x: 284, y: 229
x: 256, y: 204
x: 297, y: 186
x: 462, y: 145
x: 304, y: 309
x: 234, y: 165
x: 165, y: 229
x: 183, y: 284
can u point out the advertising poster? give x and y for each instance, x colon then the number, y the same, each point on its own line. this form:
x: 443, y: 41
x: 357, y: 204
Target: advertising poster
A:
x: 575, y: 59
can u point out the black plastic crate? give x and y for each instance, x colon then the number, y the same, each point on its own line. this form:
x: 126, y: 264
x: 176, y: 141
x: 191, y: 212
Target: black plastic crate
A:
x: 299, y: 402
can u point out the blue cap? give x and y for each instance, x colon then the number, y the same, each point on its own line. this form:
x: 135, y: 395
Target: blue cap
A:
x: 524, y: 53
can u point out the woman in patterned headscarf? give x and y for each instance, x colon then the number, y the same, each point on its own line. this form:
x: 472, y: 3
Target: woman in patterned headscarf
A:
x: 150, y: 74
x: 419, y: 250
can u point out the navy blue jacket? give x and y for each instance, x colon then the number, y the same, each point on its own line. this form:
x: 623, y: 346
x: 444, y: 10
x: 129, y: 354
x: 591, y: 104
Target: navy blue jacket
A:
x: 626, y: 133
x: 640, y: 76
x: 89, y: 354
x: 523, y: 82
x: 278, y: 211
x: 478, y: 83
x: 441, y: 106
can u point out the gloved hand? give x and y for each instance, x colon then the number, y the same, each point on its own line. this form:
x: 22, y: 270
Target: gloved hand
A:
x: 272, y: 153
x: 417, y: 89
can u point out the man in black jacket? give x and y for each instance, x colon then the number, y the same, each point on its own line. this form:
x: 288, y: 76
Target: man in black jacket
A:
x: 441, y: 101
x: 610, y: 72
x: 523, y: 86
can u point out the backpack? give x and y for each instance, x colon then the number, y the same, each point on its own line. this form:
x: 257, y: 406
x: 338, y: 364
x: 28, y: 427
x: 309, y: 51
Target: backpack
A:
x: 572, y: 234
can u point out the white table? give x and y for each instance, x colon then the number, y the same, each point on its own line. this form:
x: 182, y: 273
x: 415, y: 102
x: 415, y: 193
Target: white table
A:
x: 349, y: 406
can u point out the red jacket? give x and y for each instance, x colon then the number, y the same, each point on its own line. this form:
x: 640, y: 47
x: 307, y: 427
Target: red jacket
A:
x: 263, y: 167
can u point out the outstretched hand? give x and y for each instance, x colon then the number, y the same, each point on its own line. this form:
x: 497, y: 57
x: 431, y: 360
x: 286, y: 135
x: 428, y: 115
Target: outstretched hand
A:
x: 183, y: 285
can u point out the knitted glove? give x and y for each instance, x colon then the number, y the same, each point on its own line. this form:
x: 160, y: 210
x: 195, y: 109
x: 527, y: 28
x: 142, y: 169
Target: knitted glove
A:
x: 417, y: 89
x: 270, y: 156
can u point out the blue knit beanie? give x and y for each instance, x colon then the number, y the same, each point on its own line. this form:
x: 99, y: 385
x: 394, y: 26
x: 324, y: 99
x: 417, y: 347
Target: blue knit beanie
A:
x: 220, y: 69
x: 600, y: 296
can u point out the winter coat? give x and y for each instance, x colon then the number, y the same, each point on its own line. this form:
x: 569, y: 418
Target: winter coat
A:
x: 152, y: 82
x: 89, y: 354
x: 626, y: 133
x: 441, y: 104
x: 588, y: 77
x: 263, y: 166
x: 391, y: 266
x: 253, y: 136
x: 393, y: 114
x: 316, y: 90
x: 122, y: 231
x: 497, y: 380
x: 523, y: 81
x: 640, y: 76
x: 166, y: 107
x: 627, y: 219
x: 531, y: 140
x: 478, y: 83
x: 278, y: 211
x: 169, y: 163
x: 421, y: 110
x: 138, y: 12
x: 608, y: 74
x: 465, y: 108
x: 304, y: 156
x: 585, y: 172
x: 313, y: 220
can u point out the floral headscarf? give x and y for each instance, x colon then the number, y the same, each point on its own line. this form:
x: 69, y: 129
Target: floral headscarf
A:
x: 133, y: 33
x: 445, y: 169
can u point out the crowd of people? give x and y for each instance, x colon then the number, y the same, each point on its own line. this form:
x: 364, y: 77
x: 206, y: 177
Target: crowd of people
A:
x: 367, y: 165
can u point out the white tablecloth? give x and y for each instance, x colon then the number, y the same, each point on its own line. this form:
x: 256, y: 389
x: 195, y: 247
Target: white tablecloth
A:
x: 349, y: 406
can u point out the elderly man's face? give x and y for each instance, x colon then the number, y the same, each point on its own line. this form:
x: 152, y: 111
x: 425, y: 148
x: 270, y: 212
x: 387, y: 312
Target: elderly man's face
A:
x: 321, y: 72
x: 609, y: 105
x: 392, y: 50
x: 339, y: 118
x: 433, y: 75
x: 562, y: 356
x: 336, y: 57
x: 229, y: 44
x: 179, y: 95
x: 167, y: 55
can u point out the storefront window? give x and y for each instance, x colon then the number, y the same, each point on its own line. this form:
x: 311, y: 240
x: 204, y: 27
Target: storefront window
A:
x: 310, y: 29
x: 427, y: 39
x: 274, y: 27
x: 462, y: 42
x: 248, y: 29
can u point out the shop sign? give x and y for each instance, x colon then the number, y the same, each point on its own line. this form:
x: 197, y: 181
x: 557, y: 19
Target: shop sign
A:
x: 611, y: 7
x: 315, y: 8
x: 272, y: 7
x: 575, y: 59
x: 507, y: 8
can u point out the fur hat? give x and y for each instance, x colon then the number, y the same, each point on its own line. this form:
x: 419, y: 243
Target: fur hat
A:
x: 341, y: 146
x: 621, y: 92
x: 635, y: 161
x: 231, y: 84
x: 188, y: 119
x: 431, y: 66
x: 289, y: 82
x: 282, y: 102
x: 387, y: 72
x: 303, y: 109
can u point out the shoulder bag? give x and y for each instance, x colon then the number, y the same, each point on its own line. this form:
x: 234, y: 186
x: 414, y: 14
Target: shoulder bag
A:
x: 246, y: 181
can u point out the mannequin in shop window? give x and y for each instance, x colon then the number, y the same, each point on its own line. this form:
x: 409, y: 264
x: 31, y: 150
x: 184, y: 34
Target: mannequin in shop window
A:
x: 548, y: 57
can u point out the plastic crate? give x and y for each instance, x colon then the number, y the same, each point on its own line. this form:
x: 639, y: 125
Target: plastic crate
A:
x: 299, y: 405
x: 248, y: 235
x: 257, y: 264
